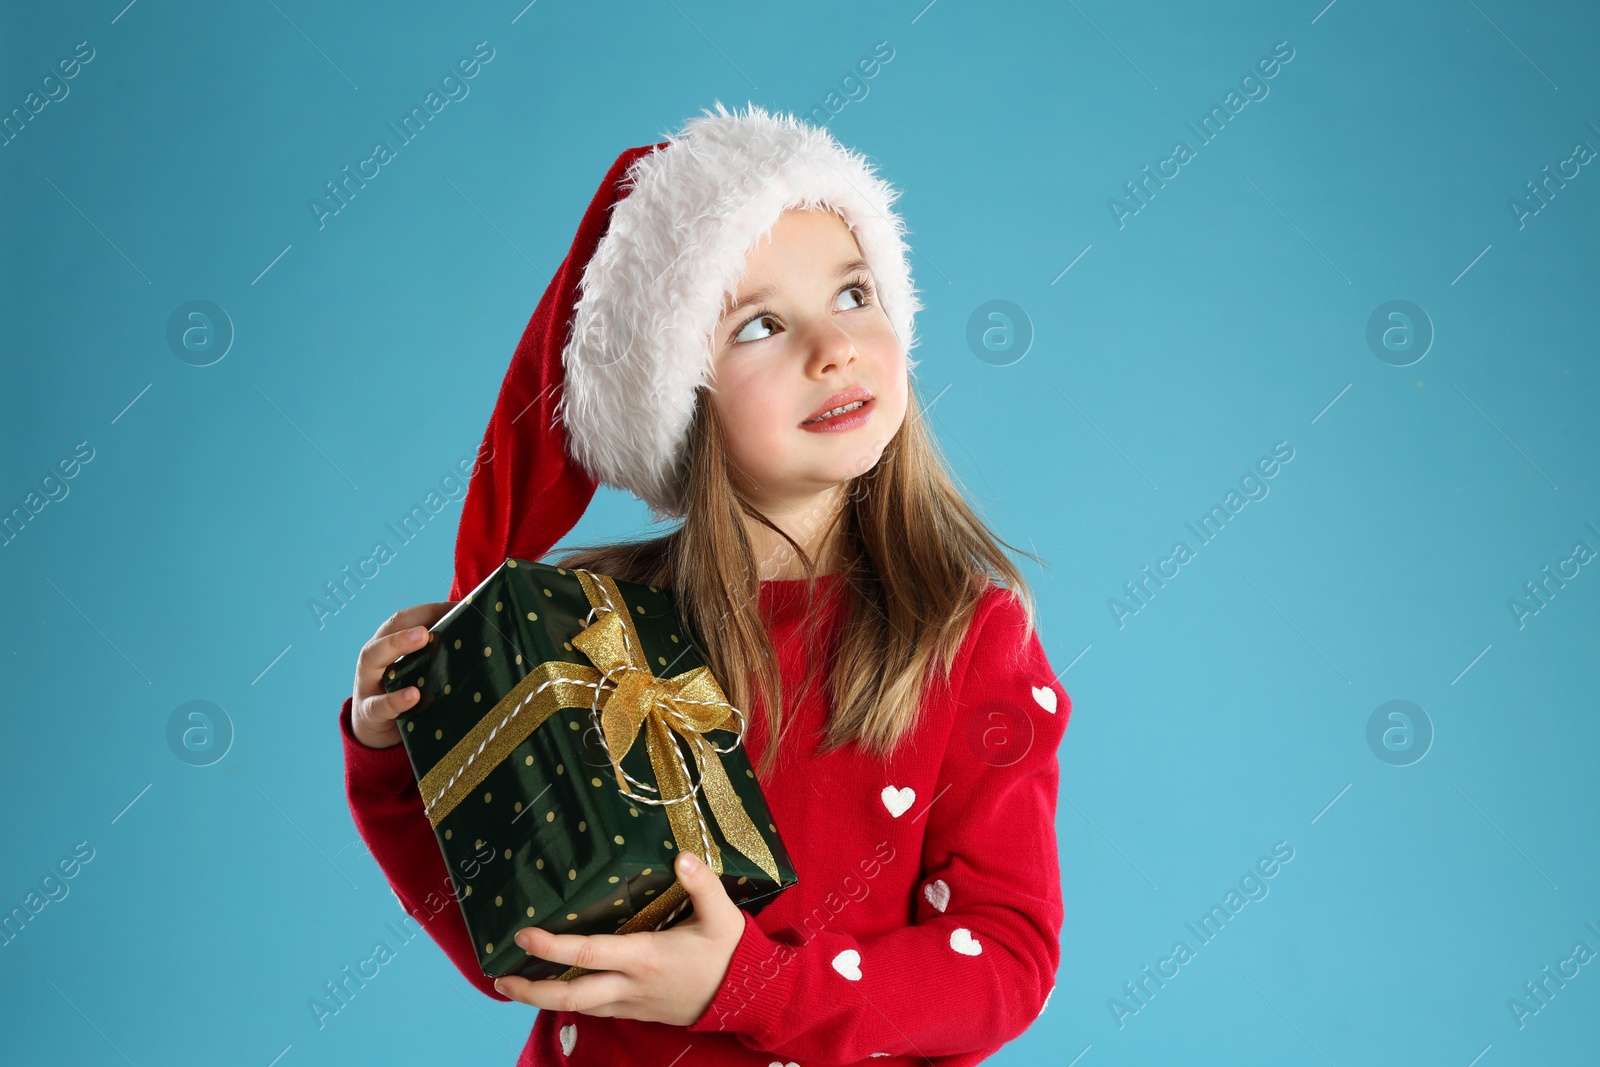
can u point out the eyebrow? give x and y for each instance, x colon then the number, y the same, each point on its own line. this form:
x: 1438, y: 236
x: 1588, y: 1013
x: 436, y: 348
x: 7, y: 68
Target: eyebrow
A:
x: 755, y: 296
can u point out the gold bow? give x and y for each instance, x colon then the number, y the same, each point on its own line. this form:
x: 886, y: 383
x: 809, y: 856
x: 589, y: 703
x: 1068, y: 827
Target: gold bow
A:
x: 687, y: 704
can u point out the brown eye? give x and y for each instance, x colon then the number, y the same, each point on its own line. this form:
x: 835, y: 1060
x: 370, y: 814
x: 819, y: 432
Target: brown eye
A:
x: 862, y: 296
x: 744, y: 333
x: 862, y: 285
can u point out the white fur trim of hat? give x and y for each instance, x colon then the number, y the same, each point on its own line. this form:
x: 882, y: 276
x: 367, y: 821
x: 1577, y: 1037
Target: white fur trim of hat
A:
x: 652, y: 294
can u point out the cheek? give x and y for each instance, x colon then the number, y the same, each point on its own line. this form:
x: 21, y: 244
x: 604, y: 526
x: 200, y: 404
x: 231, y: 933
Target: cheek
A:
x: 753, y: 410
x: 890, y: 371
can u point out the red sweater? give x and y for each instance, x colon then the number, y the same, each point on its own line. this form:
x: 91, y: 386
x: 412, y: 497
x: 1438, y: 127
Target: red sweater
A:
x: 925, y: 925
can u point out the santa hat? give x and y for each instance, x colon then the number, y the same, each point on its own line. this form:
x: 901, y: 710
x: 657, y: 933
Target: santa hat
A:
x: 602, y: 386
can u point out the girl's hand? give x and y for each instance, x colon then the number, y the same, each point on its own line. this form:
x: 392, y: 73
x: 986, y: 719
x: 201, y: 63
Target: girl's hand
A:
x: 372, y: 710
x: 663, y: 976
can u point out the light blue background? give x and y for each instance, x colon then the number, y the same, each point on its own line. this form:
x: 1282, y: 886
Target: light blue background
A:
x: 1229, y: 314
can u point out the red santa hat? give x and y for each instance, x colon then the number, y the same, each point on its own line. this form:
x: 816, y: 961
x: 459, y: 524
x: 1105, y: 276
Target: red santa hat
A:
x: 602, y: 387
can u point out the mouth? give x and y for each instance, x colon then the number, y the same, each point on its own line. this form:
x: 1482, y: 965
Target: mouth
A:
x: 840, y: 405
x: 841, y: 416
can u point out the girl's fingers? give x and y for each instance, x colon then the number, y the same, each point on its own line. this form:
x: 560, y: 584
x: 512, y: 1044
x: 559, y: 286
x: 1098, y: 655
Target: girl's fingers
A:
x: 591, y: 993
x: 373, y: 708
x: 380, y: 653
x: 399, y: 643
x: 405, y: 631
x: 384, y: 708
x: 418, y: 614
x: 592, y: 952
x: 372, y: 718
x: 424, y: 615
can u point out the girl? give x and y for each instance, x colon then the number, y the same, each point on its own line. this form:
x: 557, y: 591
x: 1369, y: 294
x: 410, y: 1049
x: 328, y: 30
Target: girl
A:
x: 729, y: 340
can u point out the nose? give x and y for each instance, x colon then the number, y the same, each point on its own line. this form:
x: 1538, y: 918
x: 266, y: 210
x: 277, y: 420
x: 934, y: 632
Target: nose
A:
x: 830, y: 349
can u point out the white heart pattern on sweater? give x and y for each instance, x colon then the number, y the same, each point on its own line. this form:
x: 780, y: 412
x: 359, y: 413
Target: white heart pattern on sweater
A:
x: 1046, y: 697
x: 775, y: 1063
x: 898, y: 800
x: 938, y: 894
x: 848, y: 963
x: 569, y: 1037
x: 962, y: 941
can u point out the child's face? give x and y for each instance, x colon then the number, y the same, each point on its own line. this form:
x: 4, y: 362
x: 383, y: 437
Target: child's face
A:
x: 816, y: 332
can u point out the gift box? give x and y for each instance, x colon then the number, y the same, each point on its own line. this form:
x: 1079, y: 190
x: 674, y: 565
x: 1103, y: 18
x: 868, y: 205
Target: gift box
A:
x: 568, y: 743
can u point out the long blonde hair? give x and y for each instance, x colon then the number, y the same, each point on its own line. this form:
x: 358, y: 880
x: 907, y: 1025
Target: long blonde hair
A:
x: 916, y: 558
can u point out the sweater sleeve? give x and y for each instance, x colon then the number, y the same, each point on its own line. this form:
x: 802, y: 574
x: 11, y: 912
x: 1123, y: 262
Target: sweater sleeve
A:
x: 382, y: 790
x: 975, y: 967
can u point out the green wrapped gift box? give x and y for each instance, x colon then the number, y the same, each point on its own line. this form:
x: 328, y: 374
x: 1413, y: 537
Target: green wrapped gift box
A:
x: 569, y: 742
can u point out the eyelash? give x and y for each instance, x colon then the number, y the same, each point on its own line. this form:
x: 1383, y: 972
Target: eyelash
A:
x: 860, y: 281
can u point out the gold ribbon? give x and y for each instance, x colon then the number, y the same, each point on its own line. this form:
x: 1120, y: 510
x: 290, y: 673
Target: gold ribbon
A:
x: 630, y: 699
x: 688, y: 705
